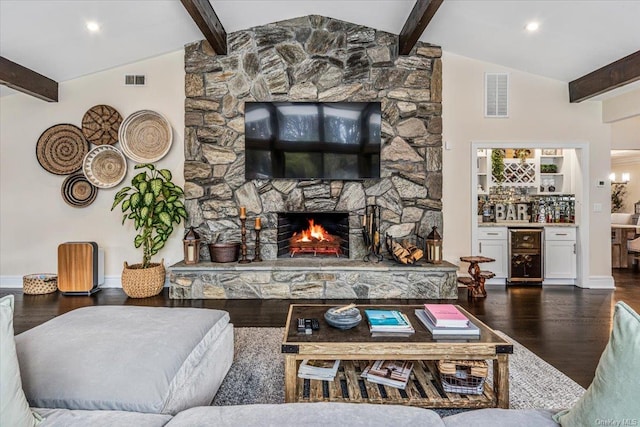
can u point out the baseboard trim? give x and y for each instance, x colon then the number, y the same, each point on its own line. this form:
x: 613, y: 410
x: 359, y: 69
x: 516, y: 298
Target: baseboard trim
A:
x: 559, y: 282
x: 600, y: 282
x: 13, y: 282
x: 111, y: 282
x: 10, y: 282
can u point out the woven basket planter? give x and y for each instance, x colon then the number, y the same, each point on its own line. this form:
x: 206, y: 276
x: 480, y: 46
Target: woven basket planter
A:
x: 138, y: 282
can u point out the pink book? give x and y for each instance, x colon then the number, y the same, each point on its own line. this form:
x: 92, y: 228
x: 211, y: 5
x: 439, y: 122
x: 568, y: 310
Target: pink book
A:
x: 446, y: 315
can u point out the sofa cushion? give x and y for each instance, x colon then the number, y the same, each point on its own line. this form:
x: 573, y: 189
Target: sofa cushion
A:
x: 14, y: 409
x: 613, y: 394
x: 80, y: 418
x: 504, y: 417
x: 142, y: 359
x: 307, y: 414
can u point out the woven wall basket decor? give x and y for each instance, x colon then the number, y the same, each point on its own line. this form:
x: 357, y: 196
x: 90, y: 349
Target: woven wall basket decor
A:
x: 61, y: 149
x: 145, y: 136
x: 100, y: 125
x: 104, y: 166
x: 77, y: 191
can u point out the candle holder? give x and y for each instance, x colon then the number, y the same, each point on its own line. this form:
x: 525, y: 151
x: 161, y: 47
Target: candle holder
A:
x: 243, y: 244
x: 257, y: 257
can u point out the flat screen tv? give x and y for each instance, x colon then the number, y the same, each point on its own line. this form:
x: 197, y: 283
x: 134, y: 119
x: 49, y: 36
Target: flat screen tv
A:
x: 312, y: 140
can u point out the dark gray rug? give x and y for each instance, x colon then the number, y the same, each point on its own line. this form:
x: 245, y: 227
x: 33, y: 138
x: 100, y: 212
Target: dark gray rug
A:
x: 257, y: 375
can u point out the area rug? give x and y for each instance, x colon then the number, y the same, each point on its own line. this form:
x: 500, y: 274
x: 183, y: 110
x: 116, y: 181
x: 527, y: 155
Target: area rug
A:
x: 257, y: 375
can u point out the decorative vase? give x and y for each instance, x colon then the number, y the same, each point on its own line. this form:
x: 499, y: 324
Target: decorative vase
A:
x: 138, y: 282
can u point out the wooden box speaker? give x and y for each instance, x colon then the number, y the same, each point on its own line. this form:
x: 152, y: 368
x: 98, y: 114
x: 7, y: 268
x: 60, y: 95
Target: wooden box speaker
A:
x: 80, y: 268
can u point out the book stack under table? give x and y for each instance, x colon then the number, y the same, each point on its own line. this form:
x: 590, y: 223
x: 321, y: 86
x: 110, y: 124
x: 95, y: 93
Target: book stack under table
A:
x: 419, y: 353
x: 394, y: 373
x: 325, y: 370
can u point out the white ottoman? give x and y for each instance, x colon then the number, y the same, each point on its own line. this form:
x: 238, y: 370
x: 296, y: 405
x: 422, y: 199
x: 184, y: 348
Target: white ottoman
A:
x: 142, y: 359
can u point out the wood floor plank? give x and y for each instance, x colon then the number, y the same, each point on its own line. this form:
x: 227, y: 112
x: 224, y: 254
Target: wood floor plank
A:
x: 566, y: 326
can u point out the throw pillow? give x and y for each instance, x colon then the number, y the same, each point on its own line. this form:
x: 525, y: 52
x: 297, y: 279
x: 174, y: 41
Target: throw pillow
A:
x: 612, y: 397
x: 14, y: 409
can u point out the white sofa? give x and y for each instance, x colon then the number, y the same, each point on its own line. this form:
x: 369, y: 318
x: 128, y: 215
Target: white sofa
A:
x: 152, y: 367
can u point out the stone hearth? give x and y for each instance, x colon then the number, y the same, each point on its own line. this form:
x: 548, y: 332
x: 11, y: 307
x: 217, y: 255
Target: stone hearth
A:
x: 304, y: 278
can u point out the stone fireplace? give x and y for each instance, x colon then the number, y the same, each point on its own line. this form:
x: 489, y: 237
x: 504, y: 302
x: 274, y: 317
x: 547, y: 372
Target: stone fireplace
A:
x: 292, y: 226
x: 311, y: 58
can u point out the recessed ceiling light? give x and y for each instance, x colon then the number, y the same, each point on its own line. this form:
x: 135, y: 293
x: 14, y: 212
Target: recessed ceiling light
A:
x: 93, y: 26
x: 532, y: 26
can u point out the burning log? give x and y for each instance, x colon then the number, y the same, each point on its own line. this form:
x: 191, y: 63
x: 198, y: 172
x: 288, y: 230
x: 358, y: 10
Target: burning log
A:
x: 314, y: 239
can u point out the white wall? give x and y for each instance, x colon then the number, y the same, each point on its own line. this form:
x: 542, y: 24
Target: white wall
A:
x: 539, y: 111
x: 34, y: 218
x: 625, y: 134
x: 621, y: 107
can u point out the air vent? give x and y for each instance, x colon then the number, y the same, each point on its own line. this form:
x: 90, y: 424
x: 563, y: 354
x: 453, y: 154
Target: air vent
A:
x: 134, y: 80
x: 496, y: 95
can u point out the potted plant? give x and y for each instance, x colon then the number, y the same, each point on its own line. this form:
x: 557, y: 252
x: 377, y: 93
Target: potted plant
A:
x: 152, y: 203
x: 522, y: 154
x: 497, y: 165
x: 618, y: 194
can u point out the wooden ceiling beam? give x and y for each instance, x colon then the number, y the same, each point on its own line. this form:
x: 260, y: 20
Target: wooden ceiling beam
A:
x: 27, y: 81
x: 609, y: 77
x: 420, y: 16
x: 206, y: 19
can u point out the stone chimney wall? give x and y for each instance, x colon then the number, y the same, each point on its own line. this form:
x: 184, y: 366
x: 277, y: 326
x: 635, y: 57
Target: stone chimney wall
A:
x: 312, y: 58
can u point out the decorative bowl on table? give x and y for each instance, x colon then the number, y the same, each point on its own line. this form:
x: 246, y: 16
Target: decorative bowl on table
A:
x: 343, y: 319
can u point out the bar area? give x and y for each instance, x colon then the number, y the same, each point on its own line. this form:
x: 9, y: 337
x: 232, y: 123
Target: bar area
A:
x: 526, y: 215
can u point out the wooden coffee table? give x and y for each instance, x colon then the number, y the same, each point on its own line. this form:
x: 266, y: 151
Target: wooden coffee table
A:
x: 355, y: 347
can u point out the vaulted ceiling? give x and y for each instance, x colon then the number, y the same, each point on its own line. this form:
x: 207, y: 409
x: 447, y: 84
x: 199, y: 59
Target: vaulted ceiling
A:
x: 575, y: 37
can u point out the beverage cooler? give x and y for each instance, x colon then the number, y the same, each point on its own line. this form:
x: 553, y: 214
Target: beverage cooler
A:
x: 525, y: 255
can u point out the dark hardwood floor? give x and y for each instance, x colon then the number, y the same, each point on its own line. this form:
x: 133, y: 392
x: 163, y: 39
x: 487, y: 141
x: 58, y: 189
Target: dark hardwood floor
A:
x: 566, y: 326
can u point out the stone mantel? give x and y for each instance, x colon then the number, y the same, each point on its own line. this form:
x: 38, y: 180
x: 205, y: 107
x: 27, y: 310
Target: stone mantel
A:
x: 307, y: 277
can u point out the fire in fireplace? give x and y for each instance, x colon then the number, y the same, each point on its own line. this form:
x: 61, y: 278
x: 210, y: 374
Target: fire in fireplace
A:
x: 314, y: 239
x: 315, y: 233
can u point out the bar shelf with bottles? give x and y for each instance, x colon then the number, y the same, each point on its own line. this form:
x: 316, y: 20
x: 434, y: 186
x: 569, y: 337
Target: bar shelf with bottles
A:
x: 556, y: 208
x: 541, y: 208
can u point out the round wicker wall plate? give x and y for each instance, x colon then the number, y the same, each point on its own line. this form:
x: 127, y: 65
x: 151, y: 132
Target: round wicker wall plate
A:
x: 104, y: 166
x: 61, y: 149
x: 77, y: 191
x: 100, y: 125
x: 145, y: 136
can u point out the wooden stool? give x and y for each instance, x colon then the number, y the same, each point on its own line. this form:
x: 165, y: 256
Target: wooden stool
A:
x: 479, y: 290
x: 475, y: 284
x: 467, y: 281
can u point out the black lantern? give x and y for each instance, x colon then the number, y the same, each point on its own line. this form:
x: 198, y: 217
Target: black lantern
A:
x: 434, y: 247
x: 191, y: 244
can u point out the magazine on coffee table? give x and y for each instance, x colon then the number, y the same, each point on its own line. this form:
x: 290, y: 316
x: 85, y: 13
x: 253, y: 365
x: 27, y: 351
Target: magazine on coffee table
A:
x: 394, y: 373
x: 318, y: 369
